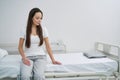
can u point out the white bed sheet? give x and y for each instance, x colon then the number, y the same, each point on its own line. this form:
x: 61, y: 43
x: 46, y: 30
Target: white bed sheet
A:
x: 77, y: 62
x: 71, y: 62
x: 10, y: 66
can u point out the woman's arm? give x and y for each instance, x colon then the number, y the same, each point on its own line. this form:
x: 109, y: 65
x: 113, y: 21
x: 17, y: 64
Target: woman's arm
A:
x: 49, y: 50
x: 20, y: 48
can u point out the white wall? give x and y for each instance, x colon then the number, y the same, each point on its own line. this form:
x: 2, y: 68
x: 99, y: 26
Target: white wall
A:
x: 79, y: 23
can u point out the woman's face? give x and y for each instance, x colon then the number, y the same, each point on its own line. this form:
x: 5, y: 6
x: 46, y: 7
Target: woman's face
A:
x: 37, y: 18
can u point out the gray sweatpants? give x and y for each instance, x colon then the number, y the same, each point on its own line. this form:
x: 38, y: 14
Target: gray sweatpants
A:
x: 36, y: 70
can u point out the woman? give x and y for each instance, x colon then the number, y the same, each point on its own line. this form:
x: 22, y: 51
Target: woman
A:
x: 33, y: 57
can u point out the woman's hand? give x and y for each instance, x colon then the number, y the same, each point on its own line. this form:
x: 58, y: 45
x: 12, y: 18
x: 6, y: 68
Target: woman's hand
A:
x: 56, y: 62
x: 26, y: 61
x: 49, y: 50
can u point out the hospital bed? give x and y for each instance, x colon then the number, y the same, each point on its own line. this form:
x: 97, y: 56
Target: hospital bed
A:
x: 75, y: 66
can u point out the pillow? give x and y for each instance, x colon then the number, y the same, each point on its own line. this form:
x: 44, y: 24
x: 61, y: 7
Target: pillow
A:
x: 94, y: 54
x: 3, y: 53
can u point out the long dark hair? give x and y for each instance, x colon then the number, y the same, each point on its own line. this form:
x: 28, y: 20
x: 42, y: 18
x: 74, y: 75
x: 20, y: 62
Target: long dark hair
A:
x: 29, y: 28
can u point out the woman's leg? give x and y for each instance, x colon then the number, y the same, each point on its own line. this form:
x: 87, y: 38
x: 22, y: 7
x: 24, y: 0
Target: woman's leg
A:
x: 39, y: 68
x: 26, y: 71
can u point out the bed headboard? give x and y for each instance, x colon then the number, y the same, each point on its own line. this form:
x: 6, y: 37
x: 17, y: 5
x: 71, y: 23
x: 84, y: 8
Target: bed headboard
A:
x: 108, y: 49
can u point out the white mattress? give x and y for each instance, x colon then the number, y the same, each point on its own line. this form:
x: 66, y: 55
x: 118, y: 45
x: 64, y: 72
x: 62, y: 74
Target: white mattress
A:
x: 10, y: 66
x: 71, y: 62
x: 77, y: 62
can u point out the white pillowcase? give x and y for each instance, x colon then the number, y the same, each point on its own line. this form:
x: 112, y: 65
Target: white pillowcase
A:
x: 3, y: 53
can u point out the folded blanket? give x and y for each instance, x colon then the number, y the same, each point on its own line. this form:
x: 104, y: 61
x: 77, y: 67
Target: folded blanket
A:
x: 3, y: 53
x: 94, y: 54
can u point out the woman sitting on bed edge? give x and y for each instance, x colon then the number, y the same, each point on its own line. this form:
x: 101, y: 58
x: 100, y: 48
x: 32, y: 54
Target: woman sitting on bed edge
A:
x: 33, y: 57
